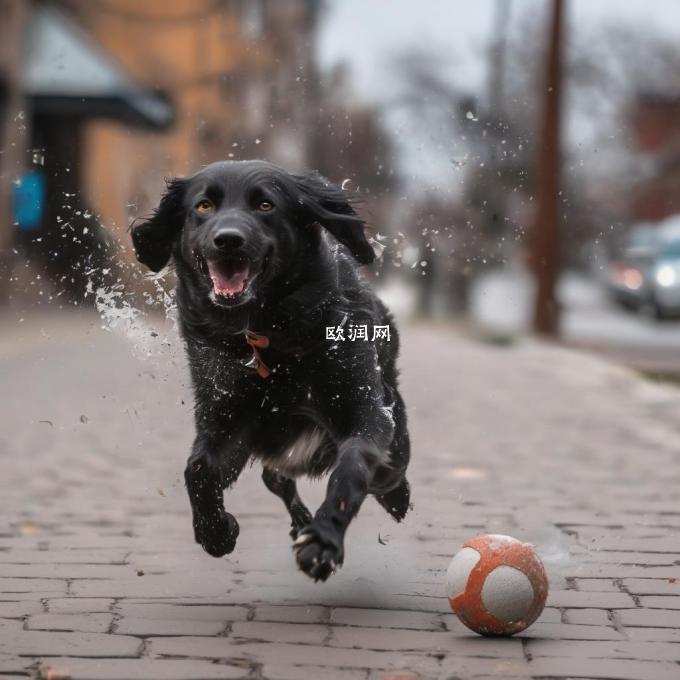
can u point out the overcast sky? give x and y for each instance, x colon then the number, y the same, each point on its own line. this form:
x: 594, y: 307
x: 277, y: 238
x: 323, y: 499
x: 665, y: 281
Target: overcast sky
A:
x: 366, y: 34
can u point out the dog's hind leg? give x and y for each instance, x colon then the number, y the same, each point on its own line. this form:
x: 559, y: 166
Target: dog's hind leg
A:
x: 393, y: 491
x: 286, y: 489
x: 207, y: 474
x: 397, y: 501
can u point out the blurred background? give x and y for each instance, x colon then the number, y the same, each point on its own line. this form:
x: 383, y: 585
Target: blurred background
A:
x: 519, y: 161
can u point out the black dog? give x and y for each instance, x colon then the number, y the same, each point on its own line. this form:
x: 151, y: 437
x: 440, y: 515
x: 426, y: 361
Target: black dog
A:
x: 265, y: 266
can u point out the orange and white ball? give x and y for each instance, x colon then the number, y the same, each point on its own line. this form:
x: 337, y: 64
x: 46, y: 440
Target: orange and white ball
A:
x: 496, y: 585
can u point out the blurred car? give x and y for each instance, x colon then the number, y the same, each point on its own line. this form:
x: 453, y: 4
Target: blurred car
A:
x: 664, y: 280
x: 647, y: 275
x: 627, y: 275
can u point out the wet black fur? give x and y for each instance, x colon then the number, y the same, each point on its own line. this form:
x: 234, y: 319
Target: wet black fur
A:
x: 309, y: 246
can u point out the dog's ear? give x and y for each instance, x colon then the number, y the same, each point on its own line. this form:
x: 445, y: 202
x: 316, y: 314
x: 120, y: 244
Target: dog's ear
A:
x: 153, y: 238
x: 328, y: 204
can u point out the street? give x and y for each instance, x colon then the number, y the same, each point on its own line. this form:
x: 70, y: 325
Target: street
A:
x: 100, y: 578
x: 590, y: 319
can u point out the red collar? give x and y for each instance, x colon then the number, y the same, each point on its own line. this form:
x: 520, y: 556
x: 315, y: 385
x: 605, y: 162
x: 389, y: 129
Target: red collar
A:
x: 258, y: 342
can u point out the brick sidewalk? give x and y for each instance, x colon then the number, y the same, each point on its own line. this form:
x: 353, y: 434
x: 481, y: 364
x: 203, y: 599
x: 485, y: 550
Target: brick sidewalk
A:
x: 100, y: 578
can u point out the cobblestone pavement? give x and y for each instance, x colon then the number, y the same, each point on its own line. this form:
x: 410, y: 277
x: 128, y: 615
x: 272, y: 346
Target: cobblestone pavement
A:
x: 100, y: 578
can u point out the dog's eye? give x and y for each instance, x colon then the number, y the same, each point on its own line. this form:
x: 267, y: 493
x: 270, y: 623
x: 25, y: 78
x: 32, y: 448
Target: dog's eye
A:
x: 204, y: 206
x: 265, y: 206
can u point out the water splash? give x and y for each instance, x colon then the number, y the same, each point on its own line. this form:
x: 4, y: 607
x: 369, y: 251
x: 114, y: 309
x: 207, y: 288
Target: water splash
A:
x: 149, y: 336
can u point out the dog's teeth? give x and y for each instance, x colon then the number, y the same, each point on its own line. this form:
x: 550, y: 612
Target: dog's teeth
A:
x: 333, y: 565
x: 301, y: 540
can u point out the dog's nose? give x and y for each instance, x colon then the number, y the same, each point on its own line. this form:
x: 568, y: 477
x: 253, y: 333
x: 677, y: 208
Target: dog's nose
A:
x: 228, y: 239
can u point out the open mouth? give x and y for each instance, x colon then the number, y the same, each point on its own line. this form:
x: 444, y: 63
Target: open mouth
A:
x: 230, y: 276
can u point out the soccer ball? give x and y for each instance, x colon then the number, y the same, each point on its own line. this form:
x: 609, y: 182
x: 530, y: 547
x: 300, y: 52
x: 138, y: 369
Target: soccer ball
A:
x: 496, y: 585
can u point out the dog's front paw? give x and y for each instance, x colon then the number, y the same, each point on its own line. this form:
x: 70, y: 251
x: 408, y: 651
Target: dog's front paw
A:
x: 217, y: 534
x: 300, y: 518
x: 318, y: 550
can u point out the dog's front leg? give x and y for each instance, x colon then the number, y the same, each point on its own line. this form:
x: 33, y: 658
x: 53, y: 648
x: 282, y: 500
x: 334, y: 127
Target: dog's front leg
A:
x: 320, y: 545
x: 207, y: 474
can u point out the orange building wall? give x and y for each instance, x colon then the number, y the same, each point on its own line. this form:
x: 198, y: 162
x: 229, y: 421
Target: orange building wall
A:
x: 173, y: 47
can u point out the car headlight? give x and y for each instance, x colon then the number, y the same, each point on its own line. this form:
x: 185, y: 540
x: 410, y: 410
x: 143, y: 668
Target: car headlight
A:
x: 665, y: 275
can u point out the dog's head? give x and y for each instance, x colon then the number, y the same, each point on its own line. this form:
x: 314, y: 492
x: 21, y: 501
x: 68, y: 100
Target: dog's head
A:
x: 236, y: 226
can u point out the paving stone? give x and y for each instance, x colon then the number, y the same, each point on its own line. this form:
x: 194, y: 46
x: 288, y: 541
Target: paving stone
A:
x: 33, y: 557
x: 149, y: 627
x: 588, y: 617
x: 41, y: 643
x: 435, y: 642
x: 648, y: 601
x: 8, y: 629
x: 283, y: 613
x: 390, y: 639
x: 624, y: 649
x: 11, y: 664
x: 63, y: 571
x: 385, y: 618
x: 85, y: 623
x: 19, y: 609
x: 164, y: 585
x: 656, y: 618
x: 650, y: 634
x: 188, y: 612
x: 469, y: 667
x: 621, y: 669
x: 78, y: 605
x: 35, y: 586
x: 279, y: 632
x: 568, y: 631
x: 614, y: 542
x: 644, y: 586
x: 574, y: 598
x: 597, y: 585
x: 278, y: 672
x: 141, y: 669
x: 394, y: 675
x: 636, y: 557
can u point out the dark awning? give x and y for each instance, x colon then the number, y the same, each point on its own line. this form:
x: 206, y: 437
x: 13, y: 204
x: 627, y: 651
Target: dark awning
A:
x: 66, y: 73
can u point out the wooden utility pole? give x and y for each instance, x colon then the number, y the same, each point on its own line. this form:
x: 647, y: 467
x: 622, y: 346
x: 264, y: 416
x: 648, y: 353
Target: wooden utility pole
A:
x: 545, y: 234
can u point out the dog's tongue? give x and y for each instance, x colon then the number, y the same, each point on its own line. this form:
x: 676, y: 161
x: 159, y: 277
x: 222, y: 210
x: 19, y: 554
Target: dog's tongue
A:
x: 229, y: 276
